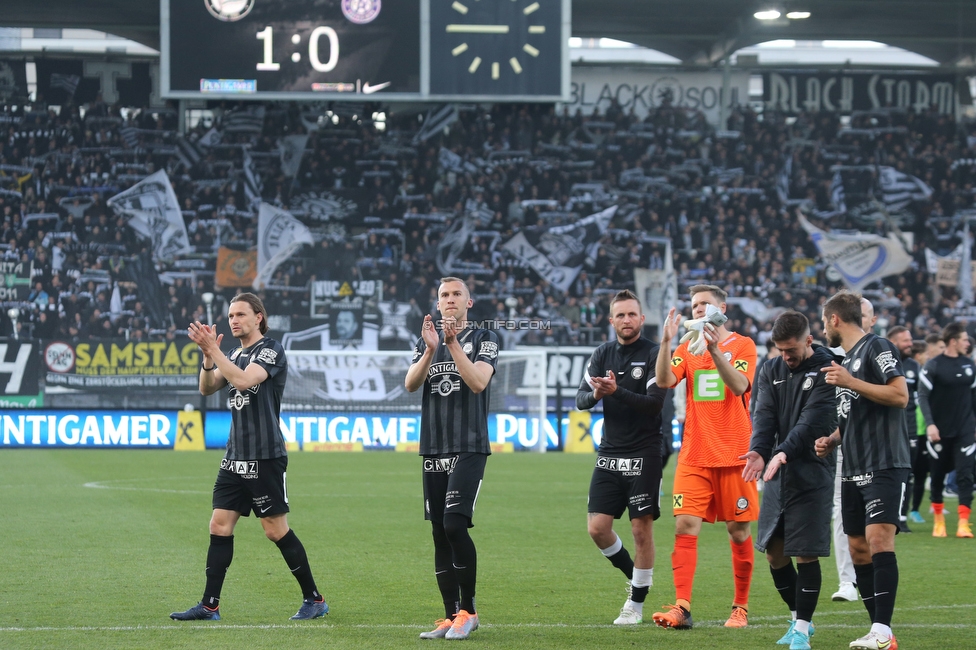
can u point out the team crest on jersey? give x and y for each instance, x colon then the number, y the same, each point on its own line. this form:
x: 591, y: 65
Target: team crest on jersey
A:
x: 911, y: 373
x: 969, y: 371
x: 741, y: 366
x: 446, y: 386
x: 467, y: 347
x: 856, y: 365
x: 808, y: 383
x: 637, y: 372
x: 676, y: 361
x: 728, y: 356
x: 741, y: 505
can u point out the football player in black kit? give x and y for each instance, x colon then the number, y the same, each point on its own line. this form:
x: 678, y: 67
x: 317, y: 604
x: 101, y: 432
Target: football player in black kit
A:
x: 902, y: 339
x: 627, y: 475
x: 454, y: 367
x: 252, y: 473
x: 871, y: 400
x: 947, y: 397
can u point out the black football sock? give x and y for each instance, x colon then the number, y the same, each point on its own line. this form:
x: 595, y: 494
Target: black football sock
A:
x: 808, y: 579
x: 219, y: 556
x: 444, y: 572
x: 294, y: 553
x: 865, y: 585
x: 620, y: 558
x: 784, y: 579
x: 885, y: 586
x: 465, y: 558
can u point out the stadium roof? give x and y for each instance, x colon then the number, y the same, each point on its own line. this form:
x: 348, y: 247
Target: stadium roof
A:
x: 701, y: 32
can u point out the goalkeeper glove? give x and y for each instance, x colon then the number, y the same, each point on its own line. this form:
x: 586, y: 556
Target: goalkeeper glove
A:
x: 695, y: 335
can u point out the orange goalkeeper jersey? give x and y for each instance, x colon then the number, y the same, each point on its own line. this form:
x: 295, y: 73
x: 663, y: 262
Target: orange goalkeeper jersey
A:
x: 717, y: 424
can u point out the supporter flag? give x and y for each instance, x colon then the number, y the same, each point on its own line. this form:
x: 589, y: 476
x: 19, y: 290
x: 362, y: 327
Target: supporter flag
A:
x: 783, y: 181
x: 292, y: 149
x: 252, y: 181
x: 837, y: 193
x: 236, y: 268
x: 210, y: 138
x: 152, y: 210
x: 435, y: 123
x: 860, y: 258
x: 66, y: 82
x: 248, y: 120
x: 188, y: 152
x: 557, y: 253
x: 115, y: 305
x: 898, y: 189
x: 130, y: 135
x: 279, y: 236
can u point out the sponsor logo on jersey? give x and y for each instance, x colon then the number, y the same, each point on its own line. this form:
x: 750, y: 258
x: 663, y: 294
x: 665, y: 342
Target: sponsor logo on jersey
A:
x: 676, y: 361
x: 708, y: 386
x: 741, y: 365
x: 886, y: 361
x: 678, y: 501
x: 488, y: 349
x: 267, y: 355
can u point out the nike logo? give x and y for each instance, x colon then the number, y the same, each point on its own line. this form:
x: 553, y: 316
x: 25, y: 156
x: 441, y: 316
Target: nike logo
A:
x: 777, y: 382
x: 264, y: 510
x: 450, y: 505
x: 643, y: 508
x: 883, y: 645
x: 810, y: 591
x: 369, y: 90
x: 875, y: 514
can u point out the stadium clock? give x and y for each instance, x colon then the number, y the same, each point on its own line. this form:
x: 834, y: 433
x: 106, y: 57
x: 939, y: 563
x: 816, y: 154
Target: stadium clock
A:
x: 501, y: 47
x: 312, y: 49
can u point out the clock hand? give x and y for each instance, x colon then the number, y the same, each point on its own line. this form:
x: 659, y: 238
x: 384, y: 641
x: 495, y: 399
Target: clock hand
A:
x: 477, y: 29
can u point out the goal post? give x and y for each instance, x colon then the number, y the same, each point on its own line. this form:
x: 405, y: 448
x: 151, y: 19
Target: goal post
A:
x: 358, y: 396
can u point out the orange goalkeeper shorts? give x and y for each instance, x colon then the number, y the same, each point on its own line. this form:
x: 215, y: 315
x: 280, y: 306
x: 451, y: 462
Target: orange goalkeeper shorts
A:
x: 714, y: 494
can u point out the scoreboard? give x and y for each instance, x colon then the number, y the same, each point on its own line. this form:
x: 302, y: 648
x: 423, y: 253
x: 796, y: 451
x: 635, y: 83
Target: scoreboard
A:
x: 440, y: 50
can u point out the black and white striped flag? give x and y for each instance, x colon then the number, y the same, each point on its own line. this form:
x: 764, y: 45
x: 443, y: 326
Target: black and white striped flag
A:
x: 435, y: 123
x: 248, y: 120
x: 188, y: 152
x: 252, y: 181
x: 66, y: 82
x: 898, y: 189
x: 130, y: 135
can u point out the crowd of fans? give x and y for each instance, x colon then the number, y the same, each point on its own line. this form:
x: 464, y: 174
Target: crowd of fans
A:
x: 384, y: 204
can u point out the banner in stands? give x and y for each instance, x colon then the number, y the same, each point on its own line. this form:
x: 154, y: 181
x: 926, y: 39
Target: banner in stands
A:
x: 15, y: 281
x: 108, y: 365
x: 386, y: 430
x: 644, y: 90
x: 19, y: 375
x: 845, y: 92
x: 236, y: 268
x: 860, y: 258
x: 113, y: 429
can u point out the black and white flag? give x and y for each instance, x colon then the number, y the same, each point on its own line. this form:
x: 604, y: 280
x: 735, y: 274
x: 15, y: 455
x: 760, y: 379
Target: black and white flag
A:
x: 292, y: 149
x: 253, y: 185
x: 279, y: 236
x: 188, y: 152
x: 153, y: 211
x: 249, y: 120
x: 66, y: 82
x: 557, y: 254
x: 899, y: 189
x: 435, y: 123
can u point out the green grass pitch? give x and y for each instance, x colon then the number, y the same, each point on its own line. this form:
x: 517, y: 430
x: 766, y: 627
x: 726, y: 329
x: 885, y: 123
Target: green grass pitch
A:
x: 100, y: 546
